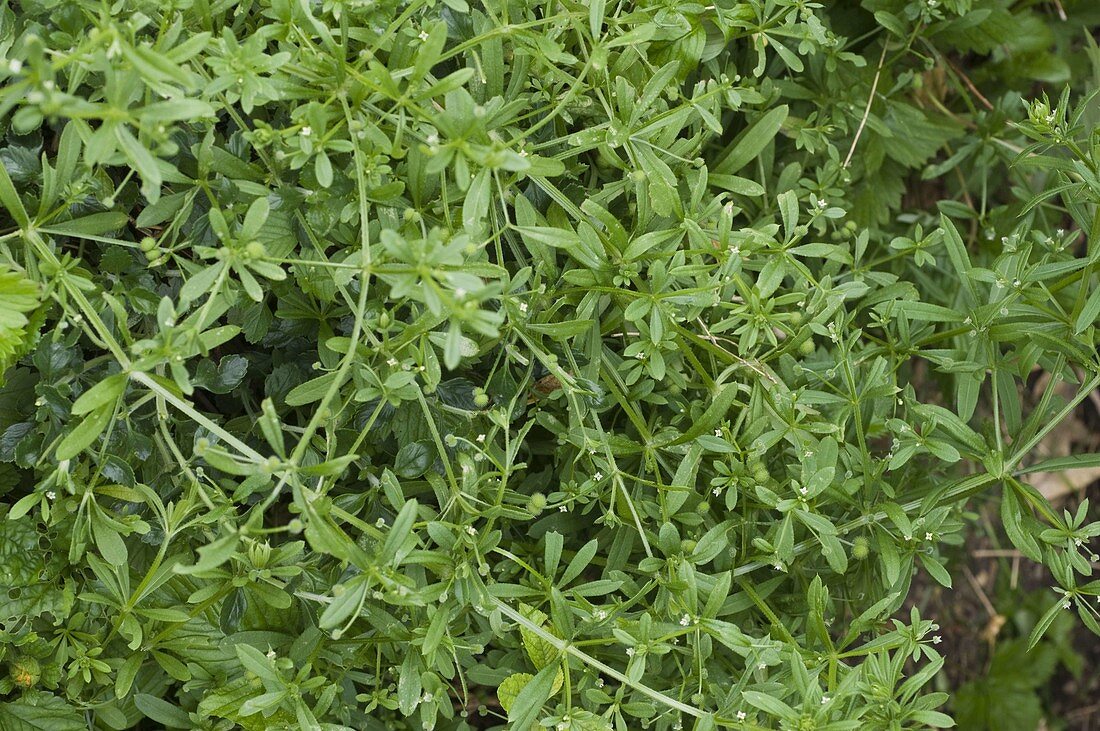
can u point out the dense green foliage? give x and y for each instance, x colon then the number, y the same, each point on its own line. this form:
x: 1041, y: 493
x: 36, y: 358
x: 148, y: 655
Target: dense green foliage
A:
x: 385, y: 365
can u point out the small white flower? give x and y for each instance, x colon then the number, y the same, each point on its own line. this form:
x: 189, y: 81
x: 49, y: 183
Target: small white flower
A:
x: 598, y: 476
x: 471, y: 530
x: 481, y: 438
x: 685, y: 621
x: 563, y: 509
x: 825, y: 699
x: 599, y: 682
x: 1067, y: 604
x: 1061, y: 232
x: 380, y: 523
x: 1077, y: 542
x: 741, y: 715
x: 937, y: 640
x: 630, y: 652
x: 423, y: 35
x: 762, y: 666
x: 600, y: 614
x: 717, y: 491
x: 51, y: 495
x: 392, y: 362
x: 523, y: 307
x: 822, y: 203
x: 717, y: 432
x: 271, y: 654
x: 306, y: 131
x: 803, y: 491
x: 428, y: 697
x: 779, y: 567
x: 15, y: 65
x: 927, y: 536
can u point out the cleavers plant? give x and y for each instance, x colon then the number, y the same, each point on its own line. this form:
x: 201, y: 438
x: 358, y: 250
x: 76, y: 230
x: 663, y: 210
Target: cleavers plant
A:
x: 379, y: 364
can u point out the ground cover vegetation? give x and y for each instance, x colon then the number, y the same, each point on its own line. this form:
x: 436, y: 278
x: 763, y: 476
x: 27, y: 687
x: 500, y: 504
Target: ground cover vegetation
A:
x: 534, y: 364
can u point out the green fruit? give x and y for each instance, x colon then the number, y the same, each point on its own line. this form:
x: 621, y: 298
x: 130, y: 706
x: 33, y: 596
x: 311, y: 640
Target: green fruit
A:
x: 536, y: 503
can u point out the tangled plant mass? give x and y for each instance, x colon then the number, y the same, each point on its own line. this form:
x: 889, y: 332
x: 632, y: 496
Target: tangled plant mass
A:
x: 530, y: 364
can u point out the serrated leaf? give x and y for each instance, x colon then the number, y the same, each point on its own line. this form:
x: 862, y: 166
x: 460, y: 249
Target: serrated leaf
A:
x: 40, y: 712
x: 510, y: 688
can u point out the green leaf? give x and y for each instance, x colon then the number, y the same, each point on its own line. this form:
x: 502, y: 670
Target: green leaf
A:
x: 84, y: 433
x: 510, y: 688
x: 580, y: 561
x: 18, y: 295
x: 715, y: 412
x: 345, y: 603
x: 1012, y: 516
x: 40, y: 712
x: 476, y: 206
x: 322, y: 169
x: 1089, y: 312
x: 163, y: 712
x: 541, y: 651
x: 399, y: 533
x: 103, y: 393
x: 928, y: 312
x: 1044, y: 623
x: 414, y: 459
x: 768, y: 704
x: 143, y: 161
x: 310, y: 391
x: 201, y: 283
x: 532, y: 696
x: 595, y: 21
x: 93, y: 225
x: 960, y: 260
x: 936, y: 570
x: 10, y: 199
x: 1060, y: 464
x: 212, y: 555
x: 409, y: 684
x: 329, y: 468
x: 745, y: 148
